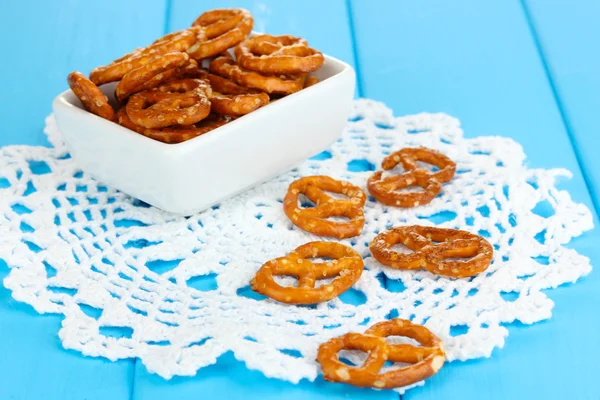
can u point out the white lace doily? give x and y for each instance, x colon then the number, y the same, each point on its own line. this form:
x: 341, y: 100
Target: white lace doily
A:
x: 78, y: 248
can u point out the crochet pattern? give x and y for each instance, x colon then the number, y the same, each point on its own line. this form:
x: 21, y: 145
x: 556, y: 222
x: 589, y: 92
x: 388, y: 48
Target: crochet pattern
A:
x: 134, y: 281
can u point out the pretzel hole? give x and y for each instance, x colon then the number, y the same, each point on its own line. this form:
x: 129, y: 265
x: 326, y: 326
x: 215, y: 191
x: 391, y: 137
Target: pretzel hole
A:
x: 286, y: 280
x: 305, y: 202
x: 401, y: 248
x: 427, y: 166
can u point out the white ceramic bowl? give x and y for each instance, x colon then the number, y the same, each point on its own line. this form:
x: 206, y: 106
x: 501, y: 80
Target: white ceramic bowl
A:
x: 192, y: 176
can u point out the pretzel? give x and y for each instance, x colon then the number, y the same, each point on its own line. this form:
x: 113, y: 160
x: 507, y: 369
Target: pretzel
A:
x: 223, y: 29
x: 283, y: 54
x: 175, y: 134
x: 165, y: 106
x: 426, y: 360
x: 90, y: 96
x: 314, y: 219
x: 385, y: 190
x: 438, y: 258
x: 225, y: 65
x: 346, y: 268
x: 310, y: 81
x: 151, y: 74
x: 116, y: 70
x: 229, y: 98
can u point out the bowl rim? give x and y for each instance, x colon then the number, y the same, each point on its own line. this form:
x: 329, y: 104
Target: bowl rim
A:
x: 62, y: 101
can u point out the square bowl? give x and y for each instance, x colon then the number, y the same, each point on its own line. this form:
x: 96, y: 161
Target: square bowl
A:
x: 191, y: 176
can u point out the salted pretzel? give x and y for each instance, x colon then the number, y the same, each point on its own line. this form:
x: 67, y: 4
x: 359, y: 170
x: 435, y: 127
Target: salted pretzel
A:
x: 385, y: 190
x: 177, y: 133
x: 229, y: 98
x: 311, y: 80
x: 179, y: 102
x: 225, y: 65
x: 426, y: 360
x: 173, y: 42
x: 438, y: 250
x: 314, y: 219
x: 283, y: 54
x: 90, y: 96
x: 346, y: 268
x: 151, y: 74
x: 223, y: 29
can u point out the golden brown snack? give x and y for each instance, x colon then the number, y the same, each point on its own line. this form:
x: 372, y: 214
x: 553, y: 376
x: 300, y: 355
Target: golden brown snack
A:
x: 173, y: 42
x: 346, y: 267
x: 180, y: 102
x: 90, y: 96
x: 229, y: 98
x: 314, y: 219
x: 223, y: 29
x: 177, y: 133
x: 311, y: 80
x: 438, y: 250
x: 151, y: 74
x: 385, y: 190
x: 426, y: 360
x: 283, y: 54
x: 224, y: 65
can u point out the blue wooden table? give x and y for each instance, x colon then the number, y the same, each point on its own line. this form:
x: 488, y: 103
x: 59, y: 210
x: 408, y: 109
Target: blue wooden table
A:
x: 528, y: 70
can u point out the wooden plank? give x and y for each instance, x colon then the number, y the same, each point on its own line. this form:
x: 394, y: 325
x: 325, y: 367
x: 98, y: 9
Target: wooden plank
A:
x: 567, y: 32
x: 478, y: 61
x: 324, y: 25
x: 44, y: 41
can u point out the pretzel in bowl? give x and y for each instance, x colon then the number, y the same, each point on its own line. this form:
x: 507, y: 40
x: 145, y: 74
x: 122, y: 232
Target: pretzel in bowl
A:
x: 173, y: 42
x: 229, y: 98
x: 90, y: 96
x: 310, y: 81
x: 222, y: 29
x: 283, y: 54
x: 176, y: 133
x: 179, y: 102
x: 449, y: 252
x: 346, y: 268
x: 386, y: 190
x: 314, y: 219
x: 151, y: 74
x: 225, y: 65
x: 425, y: 360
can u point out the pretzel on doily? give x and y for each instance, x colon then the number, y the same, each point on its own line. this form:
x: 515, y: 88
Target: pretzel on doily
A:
x: 173, y: 42
x: 346, y: 268
x: 176, y: 133
x: 90, y: 96
x: 426, y: 360
x: 222, y: 29
x: 151, y: 74
x: 449, y: 252
x: 225, y: 65
x: 179, y: 102
x: 314, y: 219
x: 283, y: 54
x: 386, y: 190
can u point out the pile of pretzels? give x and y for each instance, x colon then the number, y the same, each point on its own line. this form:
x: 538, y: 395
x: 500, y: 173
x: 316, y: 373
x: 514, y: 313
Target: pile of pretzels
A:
x: 188, y: 83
